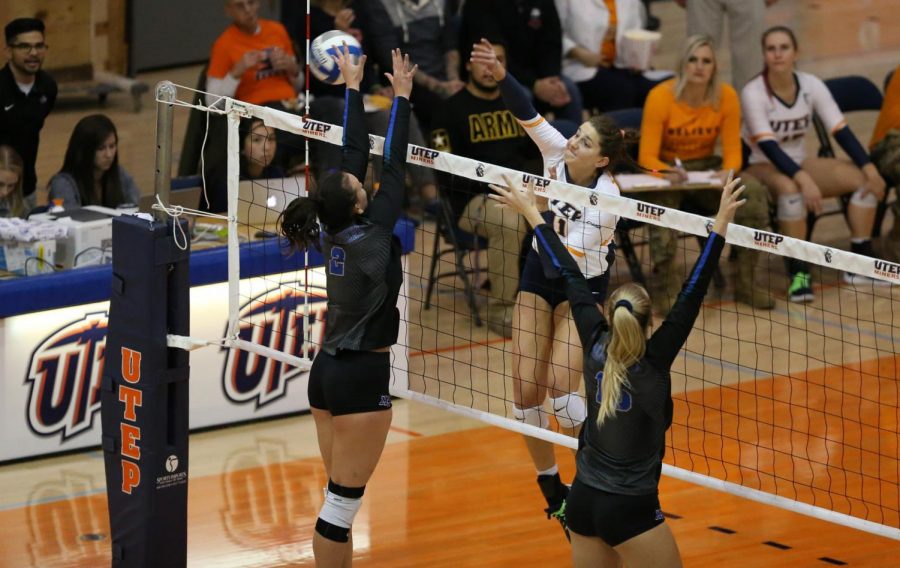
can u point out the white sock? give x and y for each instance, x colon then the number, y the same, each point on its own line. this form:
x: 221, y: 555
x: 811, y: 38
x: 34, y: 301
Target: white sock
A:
x: 550, y: 471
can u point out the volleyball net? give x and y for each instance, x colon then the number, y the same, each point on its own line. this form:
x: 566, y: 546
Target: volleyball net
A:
x: 796, y: 406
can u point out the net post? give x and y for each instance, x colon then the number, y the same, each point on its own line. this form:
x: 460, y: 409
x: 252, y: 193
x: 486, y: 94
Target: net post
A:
x: 233, y: 174
x: 165, y: 97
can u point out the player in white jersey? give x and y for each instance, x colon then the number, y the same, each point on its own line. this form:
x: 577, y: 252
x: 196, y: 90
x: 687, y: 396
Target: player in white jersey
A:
x: 547, y: 358
x: 778, y: 107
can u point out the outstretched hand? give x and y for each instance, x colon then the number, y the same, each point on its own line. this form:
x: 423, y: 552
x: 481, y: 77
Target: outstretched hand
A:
x: 524, y: 202
x: 483, y: 53
x: 352, y: 71
x: 402, y: 77
x: 728, y: 204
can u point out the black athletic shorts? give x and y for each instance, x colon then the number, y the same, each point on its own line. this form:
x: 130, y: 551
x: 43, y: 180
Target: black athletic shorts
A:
x: 553, y: 290
x: 612, y: 517
x: 350, y: 382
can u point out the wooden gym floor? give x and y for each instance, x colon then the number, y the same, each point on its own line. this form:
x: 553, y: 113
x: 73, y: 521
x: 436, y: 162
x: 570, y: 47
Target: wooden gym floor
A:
x: 452, y: 492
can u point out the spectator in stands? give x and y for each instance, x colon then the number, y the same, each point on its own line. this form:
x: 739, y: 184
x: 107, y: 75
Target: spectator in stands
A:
x: 778, y: 105
x: 683, y: 119
x: 91, y: 174
x: 885, y: 151
x: 328, y: 100
x: 27, y: 95
x: 592, y: 42
x: 12, y: 203
x: 475, y: 123
x: 531, y: 31
x: 423, y: 29
x: 258, y: 146
x: 746, y: 21
x: 253, y: 60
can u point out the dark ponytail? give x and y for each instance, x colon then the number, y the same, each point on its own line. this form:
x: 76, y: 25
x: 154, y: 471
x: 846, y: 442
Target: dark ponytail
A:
x: 332, y: 203
x: 298, y: 223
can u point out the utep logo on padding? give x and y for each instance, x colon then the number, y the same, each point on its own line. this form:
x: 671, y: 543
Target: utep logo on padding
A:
x: 624, y: 399
x: 316, y: 128
x: 273, y: 319
x: 479, y: 170
x: 423, y: 155
x: 64, y: 377
x: 767, y: 240
x: 647, y: 211
x: 887, y: 269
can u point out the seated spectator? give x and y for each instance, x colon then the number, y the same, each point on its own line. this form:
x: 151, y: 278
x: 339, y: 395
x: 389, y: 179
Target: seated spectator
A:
x: 12, y: 203
x: 683, y: 119
x: 475, y: 123
x: 91, y: 174
x: 27, y: 95
x: 258, y: 149
x: 592, y: 41
x: 778, y: 105
x: 531, y: 31
x: 253, y: 60
x: 328, y: 100
x: 885, y: 148
x: 424, y: 30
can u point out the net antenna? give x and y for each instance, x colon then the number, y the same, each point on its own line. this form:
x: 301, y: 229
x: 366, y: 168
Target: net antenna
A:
x: 747, y: 386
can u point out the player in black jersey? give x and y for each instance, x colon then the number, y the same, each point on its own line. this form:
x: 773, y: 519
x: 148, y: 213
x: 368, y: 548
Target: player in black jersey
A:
x: 348, y: 383
x: 612, y: 510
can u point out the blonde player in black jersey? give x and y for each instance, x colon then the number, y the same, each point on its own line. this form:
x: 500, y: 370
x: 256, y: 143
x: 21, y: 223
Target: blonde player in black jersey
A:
x: 612, y: 510
x: 546, y: 360
x: 349, y: 379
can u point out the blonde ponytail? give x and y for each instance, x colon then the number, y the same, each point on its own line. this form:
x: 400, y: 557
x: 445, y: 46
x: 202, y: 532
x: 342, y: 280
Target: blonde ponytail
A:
x: 628, y: 313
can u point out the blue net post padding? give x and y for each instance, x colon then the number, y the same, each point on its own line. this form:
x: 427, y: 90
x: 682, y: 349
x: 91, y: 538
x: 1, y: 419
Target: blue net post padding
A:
x: 144, y: 399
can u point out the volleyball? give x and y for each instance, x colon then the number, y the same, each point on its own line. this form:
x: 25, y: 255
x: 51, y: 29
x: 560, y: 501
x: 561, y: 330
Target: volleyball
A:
x: 323, y: 51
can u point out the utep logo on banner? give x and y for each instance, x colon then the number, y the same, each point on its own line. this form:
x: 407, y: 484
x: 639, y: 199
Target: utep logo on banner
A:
x: 64, y: 376
x: 273, y: 319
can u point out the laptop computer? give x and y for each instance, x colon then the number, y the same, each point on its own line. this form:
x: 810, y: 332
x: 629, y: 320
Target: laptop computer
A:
x: 188, y: 197
x: 261, y: 201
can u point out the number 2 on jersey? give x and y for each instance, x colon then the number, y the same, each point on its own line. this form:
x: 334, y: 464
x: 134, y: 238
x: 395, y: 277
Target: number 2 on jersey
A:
x: 336, y: 263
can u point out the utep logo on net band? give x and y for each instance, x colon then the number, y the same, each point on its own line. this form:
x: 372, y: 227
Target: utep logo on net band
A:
x: 763, y: 239
x: 648, y: 211
x: 423, y: 155
x: 316, y: 128
x: 273, y: 319
x: 540, y: 184
x: 887, y: 269
x: 64, y: 377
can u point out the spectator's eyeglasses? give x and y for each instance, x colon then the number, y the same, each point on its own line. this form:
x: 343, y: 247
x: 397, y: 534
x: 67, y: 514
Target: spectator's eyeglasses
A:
x: 29, y: 47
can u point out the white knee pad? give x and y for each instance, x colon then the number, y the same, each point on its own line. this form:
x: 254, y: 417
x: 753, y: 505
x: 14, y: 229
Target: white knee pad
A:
x: 534, y: 416
x: 790, y: 207
x: 340, y: 511
x: 867, y: 201
x: 569, y: 409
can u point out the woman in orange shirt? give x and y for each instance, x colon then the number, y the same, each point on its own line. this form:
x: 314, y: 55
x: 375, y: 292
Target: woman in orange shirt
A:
x: 683, y: 118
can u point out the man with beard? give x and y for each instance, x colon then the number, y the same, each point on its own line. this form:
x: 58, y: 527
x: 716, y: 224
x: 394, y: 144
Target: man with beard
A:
x: 476, y: 124
x: 27, y: 96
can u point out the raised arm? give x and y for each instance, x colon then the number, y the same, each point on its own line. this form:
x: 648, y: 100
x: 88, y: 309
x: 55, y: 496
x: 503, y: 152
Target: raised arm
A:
x: 588, y: 318
x: 518, y: 101
x: 355, y: 143
x: 667, y: 341
x: 387, y: 204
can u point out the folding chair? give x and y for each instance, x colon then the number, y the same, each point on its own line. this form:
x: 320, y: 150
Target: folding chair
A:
x: 851, y: 93
x: 460, y: 244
